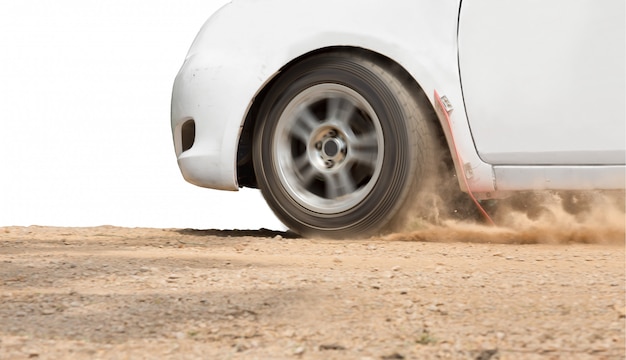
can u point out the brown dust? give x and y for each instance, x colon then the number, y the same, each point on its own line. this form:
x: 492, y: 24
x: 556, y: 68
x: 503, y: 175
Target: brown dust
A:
x: 548, y: 217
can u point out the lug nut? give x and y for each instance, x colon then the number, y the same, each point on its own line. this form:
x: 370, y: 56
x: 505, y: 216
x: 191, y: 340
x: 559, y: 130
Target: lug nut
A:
x: 329, y: 163
x: 318, y: 145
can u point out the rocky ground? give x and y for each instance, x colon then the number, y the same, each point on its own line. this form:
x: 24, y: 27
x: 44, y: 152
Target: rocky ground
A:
x: 119, y: 293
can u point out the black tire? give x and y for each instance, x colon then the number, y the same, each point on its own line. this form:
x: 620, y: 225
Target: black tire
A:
x: 341, y: 146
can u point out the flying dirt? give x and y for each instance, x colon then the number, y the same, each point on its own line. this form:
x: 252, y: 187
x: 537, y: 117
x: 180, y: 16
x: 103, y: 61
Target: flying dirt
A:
x: 533, y: 218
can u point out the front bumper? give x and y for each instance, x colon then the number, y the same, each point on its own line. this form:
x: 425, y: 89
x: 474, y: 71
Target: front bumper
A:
x: 201, y: 94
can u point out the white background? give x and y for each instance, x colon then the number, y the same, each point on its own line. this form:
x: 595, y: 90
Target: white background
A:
x: 85, y: 139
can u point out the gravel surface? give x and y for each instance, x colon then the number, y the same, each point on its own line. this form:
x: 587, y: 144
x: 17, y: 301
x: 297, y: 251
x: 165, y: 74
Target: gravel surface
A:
x: 117, y: 293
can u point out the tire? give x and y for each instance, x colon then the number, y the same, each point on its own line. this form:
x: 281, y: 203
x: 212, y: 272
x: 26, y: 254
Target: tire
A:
x: 340, y: 147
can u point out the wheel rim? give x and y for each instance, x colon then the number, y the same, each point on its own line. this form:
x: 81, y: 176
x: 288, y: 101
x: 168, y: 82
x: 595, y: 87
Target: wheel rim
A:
x: 328, y: 148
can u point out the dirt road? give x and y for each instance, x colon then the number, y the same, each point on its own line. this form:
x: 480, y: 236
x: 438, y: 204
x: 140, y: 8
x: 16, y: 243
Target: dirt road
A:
x: 117, y: 293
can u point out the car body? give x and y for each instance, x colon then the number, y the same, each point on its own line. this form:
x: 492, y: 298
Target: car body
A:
x: 528, y: 95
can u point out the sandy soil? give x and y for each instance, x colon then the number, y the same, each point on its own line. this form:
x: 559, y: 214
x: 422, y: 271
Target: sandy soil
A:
x: 446, y: 292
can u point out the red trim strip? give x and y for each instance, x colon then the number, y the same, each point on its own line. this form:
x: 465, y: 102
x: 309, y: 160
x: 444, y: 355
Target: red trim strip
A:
x: 460, y: 160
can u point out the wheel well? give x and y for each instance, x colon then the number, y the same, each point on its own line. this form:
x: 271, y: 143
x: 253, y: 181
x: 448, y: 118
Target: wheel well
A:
x: 245, y: 169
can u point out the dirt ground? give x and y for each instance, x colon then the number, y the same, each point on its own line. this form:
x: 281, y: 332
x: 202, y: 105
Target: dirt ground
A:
x: 444, y: 292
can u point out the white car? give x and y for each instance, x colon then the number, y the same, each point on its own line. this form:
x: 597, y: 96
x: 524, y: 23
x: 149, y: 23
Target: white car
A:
x: 338, y: 109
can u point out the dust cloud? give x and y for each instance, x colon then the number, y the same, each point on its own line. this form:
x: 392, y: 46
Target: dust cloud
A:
x: 548, y: 217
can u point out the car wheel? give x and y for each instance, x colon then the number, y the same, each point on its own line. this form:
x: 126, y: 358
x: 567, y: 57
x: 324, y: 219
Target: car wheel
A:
x: 340, y: 147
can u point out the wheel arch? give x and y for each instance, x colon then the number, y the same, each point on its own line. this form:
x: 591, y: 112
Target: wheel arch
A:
x: 245, y: 169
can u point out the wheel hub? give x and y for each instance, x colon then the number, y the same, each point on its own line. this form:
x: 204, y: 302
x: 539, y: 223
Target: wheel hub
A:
x: 330, y: 148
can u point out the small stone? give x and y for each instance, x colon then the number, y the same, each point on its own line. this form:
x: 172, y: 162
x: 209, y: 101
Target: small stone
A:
x: 48, y: 311
x: 486, y: 354
x: 394, y: 356
x: 332, y: 347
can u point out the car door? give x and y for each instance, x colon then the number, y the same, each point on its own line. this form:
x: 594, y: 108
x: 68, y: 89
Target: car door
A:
x: 543, y: 81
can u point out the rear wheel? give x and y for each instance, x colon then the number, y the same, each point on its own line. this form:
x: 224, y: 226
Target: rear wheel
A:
x: 340, y: 145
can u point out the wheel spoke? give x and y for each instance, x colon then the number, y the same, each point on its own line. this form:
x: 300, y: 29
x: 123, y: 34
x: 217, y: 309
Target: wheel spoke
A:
x: 304, y: 125
x: 306, y: 171
x: 364, y: 150
x: 366, y: 141
x: 339, y: 109
x: 361, y: 157
x: 339, y: 183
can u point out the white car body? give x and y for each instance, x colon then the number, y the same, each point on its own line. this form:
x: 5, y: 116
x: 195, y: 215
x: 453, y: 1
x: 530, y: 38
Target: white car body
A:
x: 533, y: 91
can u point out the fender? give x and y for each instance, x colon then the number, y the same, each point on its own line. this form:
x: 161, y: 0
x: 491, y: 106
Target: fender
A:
x: 247, y: 42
